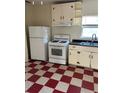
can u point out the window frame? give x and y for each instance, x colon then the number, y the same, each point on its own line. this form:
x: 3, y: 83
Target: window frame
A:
x: 95, y: 25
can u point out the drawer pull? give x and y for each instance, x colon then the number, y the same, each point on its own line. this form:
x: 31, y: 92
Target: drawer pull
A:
x: 78, y: 62
x: 78, y: 52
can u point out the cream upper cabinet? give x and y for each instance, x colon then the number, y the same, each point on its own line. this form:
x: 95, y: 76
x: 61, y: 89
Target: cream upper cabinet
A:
x: 56, y: 14
x: 64, y: 14
x: 68, y: 12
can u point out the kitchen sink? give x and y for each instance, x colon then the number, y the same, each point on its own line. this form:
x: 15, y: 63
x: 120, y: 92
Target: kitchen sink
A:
x: 89, y: 43
x: 85, y: 43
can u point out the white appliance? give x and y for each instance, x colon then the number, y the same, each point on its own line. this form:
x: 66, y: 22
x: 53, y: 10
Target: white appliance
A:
x: 39, y: 37
x: 58, y: 49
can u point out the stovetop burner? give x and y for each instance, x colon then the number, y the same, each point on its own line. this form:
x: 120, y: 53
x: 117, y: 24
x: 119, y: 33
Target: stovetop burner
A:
x: 54, y: 41
x: 62, y: 41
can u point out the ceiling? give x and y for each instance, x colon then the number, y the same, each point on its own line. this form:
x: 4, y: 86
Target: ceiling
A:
x: 50, y: 1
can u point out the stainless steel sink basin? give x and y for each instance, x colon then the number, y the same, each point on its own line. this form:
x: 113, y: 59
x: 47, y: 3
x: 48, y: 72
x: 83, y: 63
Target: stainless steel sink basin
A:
x: 85, y: 42
x: 89, y: 43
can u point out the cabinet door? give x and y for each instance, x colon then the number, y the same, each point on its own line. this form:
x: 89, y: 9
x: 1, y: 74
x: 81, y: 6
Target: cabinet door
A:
x: 68, y: 12
x: 72, y: 54
x: 94, y: 60
x: 84, y: 59
x: 56, y: 14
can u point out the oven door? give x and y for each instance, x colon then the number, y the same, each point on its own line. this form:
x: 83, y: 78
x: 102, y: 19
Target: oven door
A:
x: 58, y: 52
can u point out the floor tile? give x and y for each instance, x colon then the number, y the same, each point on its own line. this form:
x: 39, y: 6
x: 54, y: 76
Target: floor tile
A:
x: 61, y: 86
x: 49, y: 64
x: 48, y: 74
x: 78, y: 75
x: 57, y: 91
x: 32, y: 65
x: 74, y: 89
x: 27, y: 69
x: 71, y: 68
x: 28, y: 75
x: 38, y: 66
x: 37, y: 62
x: 33, y: 71
x: 43, y: 63
x: 52, y: 69
x: 60, y: 71
x: 35, y: 88
x: 83, y: 90
x: 51, y: 83
x: 46, y: 89
x: 88, y: 78
x: 56, y: 76
x: 40, y: 72
x: 56, y: 65
x: 63, y: 67
x: 79, y: 70
x: 88, y: 72
x: 34, y: 78
x: 95, y: 87
x: 66, y: 79
x: 96, y: 80
x: 68, y: 73
x: 28, y: 84
x: 42, y: 80
x: 45, y: 68
x: 88, y: 85
x: 76, y: 82
x: 27, y: 63
x: 95, y: 74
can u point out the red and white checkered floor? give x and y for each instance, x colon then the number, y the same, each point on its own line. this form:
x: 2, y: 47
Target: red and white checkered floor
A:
x: 45, y: 77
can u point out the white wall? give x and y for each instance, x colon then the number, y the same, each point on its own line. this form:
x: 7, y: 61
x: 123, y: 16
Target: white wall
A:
x: 42, y: 15
x: 73, y: 32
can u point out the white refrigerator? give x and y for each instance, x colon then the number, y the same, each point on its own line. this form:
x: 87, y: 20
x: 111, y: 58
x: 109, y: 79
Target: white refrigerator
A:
x: 39, y: 37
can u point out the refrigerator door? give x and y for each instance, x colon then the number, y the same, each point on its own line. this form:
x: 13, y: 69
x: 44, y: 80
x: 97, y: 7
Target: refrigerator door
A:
x: 38, y: 31
x: 38, y: 48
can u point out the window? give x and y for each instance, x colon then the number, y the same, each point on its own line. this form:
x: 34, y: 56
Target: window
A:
x: 90, y: 26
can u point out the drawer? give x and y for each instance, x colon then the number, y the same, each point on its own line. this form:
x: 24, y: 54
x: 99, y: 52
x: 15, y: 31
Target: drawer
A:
x: 74, y: 47
x: 74, y: 62
x: 90, y: 49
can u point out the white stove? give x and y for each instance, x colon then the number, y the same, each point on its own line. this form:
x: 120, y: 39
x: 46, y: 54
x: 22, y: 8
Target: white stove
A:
x: 58, y: 49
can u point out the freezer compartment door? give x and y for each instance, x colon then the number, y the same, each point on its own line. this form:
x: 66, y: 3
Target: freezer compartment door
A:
x: 37, y: 31
x: 38, y: 48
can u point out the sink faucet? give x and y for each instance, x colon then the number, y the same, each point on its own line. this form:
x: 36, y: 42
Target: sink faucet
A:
x: 93, y: 37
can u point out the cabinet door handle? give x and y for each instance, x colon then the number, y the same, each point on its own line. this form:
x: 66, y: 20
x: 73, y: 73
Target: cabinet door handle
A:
x: 63, y: 17
x: 78, y: 52
x: 89, y: 56
x: 92, y: 56
x: 70, y: 53
x: 71, y: 6
x: 53, y: 19
x: 78, y: 62
x: 71, y: 19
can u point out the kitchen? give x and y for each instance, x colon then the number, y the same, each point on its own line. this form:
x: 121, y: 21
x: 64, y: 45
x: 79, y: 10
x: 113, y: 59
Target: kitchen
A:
x: 71, y: 59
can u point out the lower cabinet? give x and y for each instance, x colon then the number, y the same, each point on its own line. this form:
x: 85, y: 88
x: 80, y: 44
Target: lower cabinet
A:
x: 84, y: 59
x: 94, y: 60
x: 82, y: 56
